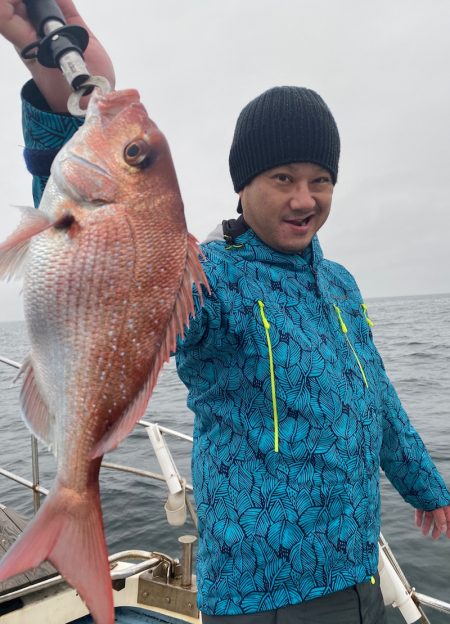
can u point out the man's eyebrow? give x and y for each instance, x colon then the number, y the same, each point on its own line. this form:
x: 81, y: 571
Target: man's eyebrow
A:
x: 320, y: 171
x: 289, y: 167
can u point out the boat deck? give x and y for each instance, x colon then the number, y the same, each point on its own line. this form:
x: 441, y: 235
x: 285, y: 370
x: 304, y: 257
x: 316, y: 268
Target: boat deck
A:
x: 11, y: 525
x: 19, y: 605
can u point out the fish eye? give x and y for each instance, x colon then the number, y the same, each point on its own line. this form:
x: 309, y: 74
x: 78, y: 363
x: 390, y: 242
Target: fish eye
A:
x: 137, y: 153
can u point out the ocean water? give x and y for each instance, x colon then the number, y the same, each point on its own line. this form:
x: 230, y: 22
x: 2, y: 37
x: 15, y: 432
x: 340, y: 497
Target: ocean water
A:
x: 413, y: 336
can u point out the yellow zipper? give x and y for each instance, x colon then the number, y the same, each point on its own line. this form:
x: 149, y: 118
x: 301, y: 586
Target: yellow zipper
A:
x: 266, y: 325
x: 366, y: 316
x: 345, y: 332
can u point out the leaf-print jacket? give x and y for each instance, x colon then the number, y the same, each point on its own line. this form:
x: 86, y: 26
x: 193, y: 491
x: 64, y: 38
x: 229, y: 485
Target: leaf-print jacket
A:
x: 294, y: 415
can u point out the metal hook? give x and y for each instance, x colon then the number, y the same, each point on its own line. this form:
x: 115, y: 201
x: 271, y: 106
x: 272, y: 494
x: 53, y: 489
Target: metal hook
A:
x: 73, y: 103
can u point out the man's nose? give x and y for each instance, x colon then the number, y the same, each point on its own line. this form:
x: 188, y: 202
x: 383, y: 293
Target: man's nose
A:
x: 302, y: 198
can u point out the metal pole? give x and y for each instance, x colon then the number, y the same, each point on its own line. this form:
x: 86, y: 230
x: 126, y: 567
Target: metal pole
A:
x: 186, y: 542
x: 25, y: 482
x: 35, y: 467
x: 433, y: 603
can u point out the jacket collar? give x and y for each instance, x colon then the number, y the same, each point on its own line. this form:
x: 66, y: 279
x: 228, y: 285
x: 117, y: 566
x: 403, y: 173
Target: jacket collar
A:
x: 236, y: 232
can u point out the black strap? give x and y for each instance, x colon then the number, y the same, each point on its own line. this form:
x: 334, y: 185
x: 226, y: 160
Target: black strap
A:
x: 232, y: 228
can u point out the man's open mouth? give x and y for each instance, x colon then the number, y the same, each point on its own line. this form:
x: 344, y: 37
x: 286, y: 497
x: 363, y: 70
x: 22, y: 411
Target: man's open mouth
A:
x: 299, y: 222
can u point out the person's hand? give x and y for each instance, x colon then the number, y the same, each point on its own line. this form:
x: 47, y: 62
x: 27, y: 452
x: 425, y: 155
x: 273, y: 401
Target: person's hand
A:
x: 14, y: 24
x: 438, y: 520
x: 16, y: 27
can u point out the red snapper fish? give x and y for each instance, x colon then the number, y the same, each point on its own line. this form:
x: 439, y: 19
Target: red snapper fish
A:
x: 108, y: 270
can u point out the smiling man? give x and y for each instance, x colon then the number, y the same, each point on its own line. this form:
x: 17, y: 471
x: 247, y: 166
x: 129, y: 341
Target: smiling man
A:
x: 284, y: 164
x: 287, y: 205
x: 294, y: 412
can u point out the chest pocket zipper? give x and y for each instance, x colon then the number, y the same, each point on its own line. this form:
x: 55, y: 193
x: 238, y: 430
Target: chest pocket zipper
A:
x: 366, y: 316
x: 352, y: 348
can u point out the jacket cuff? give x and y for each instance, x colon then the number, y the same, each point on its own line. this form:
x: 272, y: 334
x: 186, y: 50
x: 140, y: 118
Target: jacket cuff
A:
x: 45, y: 132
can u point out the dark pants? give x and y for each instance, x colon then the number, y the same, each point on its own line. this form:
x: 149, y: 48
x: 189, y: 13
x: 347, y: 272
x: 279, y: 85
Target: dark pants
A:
x: 360, y: 604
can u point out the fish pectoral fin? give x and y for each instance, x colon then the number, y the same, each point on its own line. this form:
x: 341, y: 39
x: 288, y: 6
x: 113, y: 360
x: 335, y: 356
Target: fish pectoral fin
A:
x: 14, y: 250
x: 34, y: 410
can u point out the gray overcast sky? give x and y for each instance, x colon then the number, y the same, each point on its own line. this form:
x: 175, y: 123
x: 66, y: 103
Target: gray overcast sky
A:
x: 382, y: 67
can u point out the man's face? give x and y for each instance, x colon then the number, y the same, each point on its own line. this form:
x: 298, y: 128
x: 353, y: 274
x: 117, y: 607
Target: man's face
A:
x: 287, y: 205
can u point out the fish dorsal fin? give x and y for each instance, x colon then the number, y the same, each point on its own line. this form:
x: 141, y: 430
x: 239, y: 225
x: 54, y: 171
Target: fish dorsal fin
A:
x: 14, y: 250
x: 34, y: 410
x: 184, y: 306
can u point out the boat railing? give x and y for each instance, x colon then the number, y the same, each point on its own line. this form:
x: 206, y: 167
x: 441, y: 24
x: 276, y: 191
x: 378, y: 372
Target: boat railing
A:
x: 421, y: 600
x: 39, y: 490
x: 149, y: 561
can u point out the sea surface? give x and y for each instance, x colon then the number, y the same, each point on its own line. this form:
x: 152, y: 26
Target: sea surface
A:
x: 413, y: 336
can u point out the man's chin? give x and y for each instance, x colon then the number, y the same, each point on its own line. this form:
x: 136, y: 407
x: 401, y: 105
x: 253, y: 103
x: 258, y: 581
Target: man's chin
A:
x: 292, y: 249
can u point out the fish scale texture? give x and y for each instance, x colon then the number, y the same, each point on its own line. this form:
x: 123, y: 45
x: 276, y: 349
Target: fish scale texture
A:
x: 279, y: 528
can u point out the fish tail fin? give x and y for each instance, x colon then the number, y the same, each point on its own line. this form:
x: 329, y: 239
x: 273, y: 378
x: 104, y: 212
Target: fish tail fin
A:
x: 68, y: 532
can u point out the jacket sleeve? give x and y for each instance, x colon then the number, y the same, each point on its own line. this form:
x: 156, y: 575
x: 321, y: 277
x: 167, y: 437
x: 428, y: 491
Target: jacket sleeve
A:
x: 405, y: 459
x: 45, y: 132
x: 403, y: 456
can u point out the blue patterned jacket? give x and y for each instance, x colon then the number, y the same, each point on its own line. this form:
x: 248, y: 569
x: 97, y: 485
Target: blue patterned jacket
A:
x: 294, y: 415
x: 282, y: 356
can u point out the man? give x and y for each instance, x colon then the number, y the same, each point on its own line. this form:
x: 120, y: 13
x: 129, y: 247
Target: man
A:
x: 294, y: 413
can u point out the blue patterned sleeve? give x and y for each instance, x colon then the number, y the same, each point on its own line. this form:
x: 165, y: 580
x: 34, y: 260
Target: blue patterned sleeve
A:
x: 204, y: 323
x: 405, y: 459
x: 45, y: 132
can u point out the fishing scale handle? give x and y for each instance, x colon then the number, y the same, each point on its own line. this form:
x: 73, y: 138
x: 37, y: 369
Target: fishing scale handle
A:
x: 61, y: 45
x: 42, y: 11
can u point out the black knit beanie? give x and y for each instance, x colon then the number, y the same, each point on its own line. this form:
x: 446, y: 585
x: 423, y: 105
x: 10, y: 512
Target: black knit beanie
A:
x: 281, y: 126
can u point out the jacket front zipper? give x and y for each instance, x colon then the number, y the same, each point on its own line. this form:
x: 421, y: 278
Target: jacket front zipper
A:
x: 266, y: 325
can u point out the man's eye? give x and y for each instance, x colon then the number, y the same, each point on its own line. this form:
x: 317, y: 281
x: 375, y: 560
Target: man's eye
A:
x: 322, y: 180
x: 283, y: 177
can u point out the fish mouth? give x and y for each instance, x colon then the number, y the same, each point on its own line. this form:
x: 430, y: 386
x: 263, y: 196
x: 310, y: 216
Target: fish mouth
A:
x: 114, y: 102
